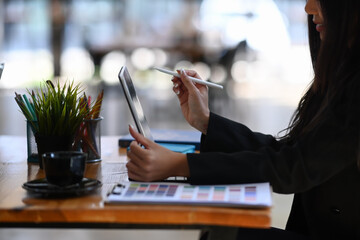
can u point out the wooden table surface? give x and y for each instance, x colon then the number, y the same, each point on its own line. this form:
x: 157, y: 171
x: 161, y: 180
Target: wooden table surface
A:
x: 20, y: 208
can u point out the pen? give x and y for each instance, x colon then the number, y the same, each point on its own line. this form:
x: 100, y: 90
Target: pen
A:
x: 30, y: 108
x: 210, y: 84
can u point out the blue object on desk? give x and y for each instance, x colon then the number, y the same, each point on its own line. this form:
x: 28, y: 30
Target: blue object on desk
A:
x: 181, y: 148
x: 168, y: 136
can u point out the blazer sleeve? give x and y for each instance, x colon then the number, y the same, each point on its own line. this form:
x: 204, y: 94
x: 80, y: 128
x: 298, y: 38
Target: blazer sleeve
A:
x: 228, y: 136
x: 232, y: 153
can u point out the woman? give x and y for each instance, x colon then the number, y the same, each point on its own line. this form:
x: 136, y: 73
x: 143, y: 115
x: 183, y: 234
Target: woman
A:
x: 317, y: 159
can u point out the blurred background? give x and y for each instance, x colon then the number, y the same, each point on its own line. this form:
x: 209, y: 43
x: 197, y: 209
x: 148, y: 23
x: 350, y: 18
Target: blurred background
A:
x: 256, y: 49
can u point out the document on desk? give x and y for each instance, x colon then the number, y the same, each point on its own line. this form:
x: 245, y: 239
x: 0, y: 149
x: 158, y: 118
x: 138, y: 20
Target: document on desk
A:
x: 256, y: 195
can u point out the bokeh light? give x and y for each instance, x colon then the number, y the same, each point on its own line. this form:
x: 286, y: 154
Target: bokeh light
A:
x: 239, y: 71
x: 202, y: 69
x: 161, y: 57
x: 110, y: 66
x: 183, y: 65
x: 218, y: 74
x: 26, y: 68
x: 143, y: 58
x: 77, y: 65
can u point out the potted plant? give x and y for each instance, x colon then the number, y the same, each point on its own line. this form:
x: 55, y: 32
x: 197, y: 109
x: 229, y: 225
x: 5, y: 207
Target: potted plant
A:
x: 55, y: 114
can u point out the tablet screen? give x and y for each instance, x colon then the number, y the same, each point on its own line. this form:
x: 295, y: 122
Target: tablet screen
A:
x: 134, y: 103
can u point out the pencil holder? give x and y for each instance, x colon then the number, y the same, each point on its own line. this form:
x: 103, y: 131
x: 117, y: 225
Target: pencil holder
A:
x: 32, y: 152
x: 88, y: 139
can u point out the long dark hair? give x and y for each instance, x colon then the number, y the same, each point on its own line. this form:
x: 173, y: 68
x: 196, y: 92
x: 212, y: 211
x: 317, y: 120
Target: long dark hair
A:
x: 335, y: 60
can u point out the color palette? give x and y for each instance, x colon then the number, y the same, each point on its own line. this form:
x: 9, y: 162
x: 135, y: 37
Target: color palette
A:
x: 150, y: 190
x: 234, y: 193
x: 250, y: 193
x: 219, y: 193
x: 224, y: 195
x: 187, y: 193
x: 198, y: 193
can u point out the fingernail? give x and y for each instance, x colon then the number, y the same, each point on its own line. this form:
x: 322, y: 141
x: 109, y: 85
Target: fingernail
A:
x: 183, y: 71
x: 177, y: 92
x: 176, y: 85
x: 131, y: 126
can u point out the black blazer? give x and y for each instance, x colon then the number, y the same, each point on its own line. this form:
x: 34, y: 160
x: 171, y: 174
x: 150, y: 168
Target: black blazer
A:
x: 320, y: 168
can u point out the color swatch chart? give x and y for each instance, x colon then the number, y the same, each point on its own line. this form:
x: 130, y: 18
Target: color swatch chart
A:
x: 179, y: 193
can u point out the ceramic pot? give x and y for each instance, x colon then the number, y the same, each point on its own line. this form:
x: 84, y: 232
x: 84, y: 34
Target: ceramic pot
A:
x: 52, y: 144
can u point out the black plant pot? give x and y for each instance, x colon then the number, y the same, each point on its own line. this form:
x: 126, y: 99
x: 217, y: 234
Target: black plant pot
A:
x: 52, y: 144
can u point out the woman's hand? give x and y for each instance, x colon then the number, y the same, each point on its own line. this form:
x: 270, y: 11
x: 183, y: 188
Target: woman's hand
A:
x: 193, y: 100
x: 149, y: 161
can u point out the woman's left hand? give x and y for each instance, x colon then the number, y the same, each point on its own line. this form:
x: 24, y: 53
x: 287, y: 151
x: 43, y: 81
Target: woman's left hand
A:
x: 149, y: 161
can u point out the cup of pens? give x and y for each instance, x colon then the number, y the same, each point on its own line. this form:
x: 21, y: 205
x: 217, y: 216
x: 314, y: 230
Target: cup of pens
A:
x: 88, y: 137
x: 32, y: 151
x: 90, y: 140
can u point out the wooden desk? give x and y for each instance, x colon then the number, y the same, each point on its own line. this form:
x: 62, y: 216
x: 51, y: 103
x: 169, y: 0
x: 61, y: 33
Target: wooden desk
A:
x: 19, y: 209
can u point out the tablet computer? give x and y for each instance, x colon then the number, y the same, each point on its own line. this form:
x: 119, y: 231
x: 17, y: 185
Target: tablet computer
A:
x: 134, y: 103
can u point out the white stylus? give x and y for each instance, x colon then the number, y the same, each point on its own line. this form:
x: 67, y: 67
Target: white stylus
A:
x: 210, y: 84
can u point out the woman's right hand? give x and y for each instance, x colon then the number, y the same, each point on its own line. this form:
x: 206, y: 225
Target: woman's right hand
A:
x: 193, y: 99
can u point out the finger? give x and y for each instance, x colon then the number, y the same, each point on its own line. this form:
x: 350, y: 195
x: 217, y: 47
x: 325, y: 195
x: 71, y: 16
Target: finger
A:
x: 176, y: 80
x: 135, y: 154
x: 182, y: 94
x: 133, y: 171
x: 131, y: 167
x: 177, y: 90
x: 189, y: 85
x: 192, y: 73
x: 139, y: 138
x: 180, y: 91
x: 183, y: 88
x: 177, y: 85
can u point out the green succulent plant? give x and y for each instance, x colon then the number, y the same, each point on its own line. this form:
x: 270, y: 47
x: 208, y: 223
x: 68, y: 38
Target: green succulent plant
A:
x: 55, y: 110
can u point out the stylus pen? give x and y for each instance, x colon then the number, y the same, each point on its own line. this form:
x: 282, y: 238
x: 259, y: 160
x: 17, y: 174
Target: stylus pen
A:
x: 210, y: 84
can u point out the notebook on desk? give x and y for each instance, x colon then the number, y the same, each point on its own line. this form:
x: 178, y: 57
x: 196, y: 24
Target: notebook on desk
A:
x: 186, y: 137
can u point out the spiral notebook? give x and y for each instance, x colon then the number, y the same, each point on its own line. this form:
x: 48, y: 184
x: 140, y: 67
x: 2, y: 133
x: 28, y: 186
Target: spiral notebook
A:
x: 256, y: 195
